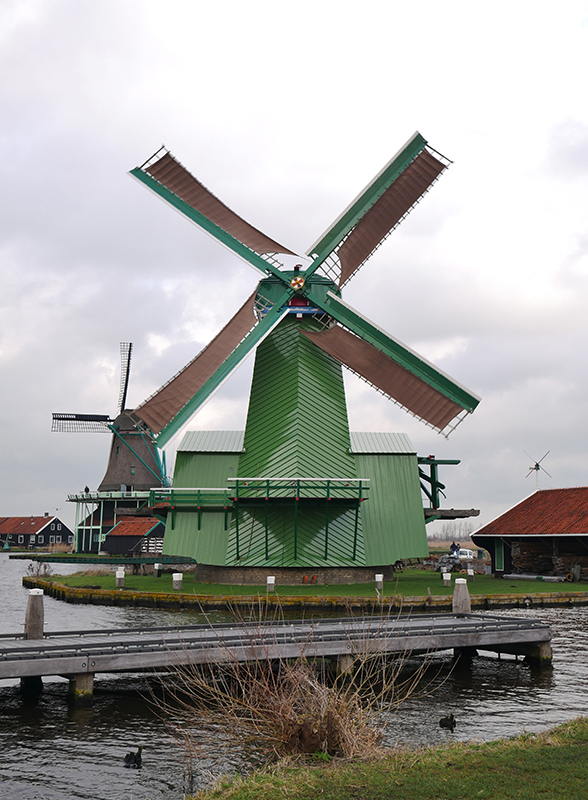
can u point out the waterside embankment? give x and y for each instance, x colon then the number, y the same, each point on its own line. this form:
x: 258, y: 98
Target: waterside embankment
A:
x: 366, y: 604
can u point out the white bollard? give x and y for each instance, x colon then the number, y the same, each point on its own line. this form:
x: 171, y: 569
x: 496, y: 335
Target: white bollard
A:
x: 34, y: 615
x: 461, y: 603
x: 446, y: 578
x: 177, y: 581
x: 120, y: 578
x: 471, y: 573
x: 271, y: 583
x: 379, y: 583
x: 157, y: 570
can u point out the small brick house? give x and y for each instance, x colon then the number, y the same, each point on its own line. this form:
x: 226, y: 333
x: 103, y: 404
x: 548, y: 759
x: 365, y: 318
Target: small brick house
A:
x: 545, y: 534
x: 33, y: 532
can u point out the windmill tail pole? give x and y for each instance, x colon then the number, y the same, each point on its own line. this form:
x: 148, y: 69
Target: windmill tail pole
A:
x: 32, y: 686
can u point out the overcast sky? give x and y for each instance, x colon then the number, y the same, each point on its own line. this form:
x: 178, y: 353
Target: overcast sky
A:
x: 286, y: 111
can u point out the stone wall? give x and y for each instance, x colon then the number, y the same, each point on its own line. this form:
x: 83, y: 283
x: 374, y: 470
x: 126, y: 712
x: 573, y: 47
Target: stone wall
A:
x: 290, y: 576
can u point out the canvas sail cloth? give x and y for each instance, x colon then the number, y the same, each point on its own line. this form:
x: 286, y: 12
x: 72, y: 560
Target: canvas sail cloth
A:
x: 398, y: 383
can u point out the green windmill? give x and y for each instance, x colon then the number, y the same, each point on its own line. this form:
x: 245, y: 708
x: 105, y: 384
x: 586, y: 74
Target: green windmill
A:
x: 297, y: 491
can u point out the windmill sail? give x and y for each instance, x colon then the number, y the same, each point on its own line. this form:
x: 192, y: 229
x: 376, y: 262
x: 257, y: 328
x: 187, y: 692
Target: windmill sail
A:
x: 382, y: 205
x: 172, y: 181
x: 386, y: 363
x: 381, y: 371
x: 176, y: 401
x: 80, y: 423
x: 164, y: 405
x: 391, y: 366
x: 126, y: 351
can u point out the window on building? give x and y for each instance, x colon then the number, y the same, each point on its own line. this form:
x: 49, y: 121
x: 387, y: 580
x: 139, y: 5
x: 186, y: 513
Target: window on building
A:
x: 52, y: 526
x: 52, y: 540
x: 21, y: 539
x: 70, y: 539
x: 32, y: 538
x: 58, y: 539
x: 41, y: 539
x: 59, y: 526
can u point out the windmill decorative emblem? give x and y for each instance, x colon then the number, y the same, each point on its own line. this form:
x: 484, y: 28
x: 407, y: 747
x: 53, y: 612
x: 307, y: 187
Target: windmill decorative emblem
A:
x: 338, y: 330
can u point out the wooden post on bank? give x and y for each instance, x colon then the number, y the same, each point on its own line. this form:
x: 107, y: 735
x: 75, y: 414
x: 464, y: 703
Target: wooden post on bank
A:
x: 32, y: 685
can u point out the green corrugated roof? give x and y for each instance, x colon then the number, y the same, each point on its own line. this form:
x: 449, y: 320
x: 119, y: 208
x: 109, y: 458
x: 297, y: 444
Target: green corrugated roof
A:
x: 391, y: 443
x: 212, y: 442
x: 232, y: 442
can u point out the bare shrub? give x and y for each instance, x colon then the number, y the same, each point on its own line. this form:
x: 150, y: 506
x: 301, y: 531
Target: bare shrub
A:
x: 280, y: 706
x: 39, y: 569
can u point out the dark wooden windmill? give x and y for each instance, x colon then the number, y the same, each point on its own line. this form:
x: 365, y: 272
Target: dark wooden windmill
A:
x: 134, y: 460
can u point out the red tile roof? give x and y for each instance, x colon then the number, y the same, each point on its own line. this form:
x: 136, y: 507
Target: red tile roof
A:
x: 12, y: 525
x: 135, y: 526
x: 548, y: 512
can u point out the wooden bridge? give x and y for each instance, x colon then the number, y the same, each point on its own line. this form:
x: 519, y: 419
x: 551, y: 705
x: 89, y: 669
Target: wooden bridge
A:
x: 79, y: 655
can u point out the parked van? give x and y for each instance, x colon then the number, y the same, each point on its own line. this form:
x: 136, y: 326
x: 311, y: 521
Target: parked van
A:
x: 466, y: 554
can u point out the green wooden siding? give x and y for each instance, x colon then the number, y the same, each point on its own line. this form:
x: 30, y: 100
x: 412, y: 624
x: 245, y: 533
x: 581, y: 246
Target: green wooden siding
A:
x: 182, y: 536
x: 297, y: 427
x: 308, y: 539
x: 393, y: 518
x: 297, y: 422
x: 204, y: 469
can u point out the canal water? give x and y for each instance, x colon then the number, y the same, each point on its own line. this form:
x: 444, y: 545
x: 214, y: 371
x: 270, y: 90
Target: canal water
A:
x: 49, y: 751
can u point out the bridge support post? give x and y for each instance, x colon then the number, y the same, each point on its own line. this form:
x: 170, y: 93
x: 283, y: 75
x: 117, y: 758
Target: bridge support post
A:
x: 81, y: 689
x: 32, y: 686
x: 540, y: 655
x: 344, y: 664
x: 463, y: 656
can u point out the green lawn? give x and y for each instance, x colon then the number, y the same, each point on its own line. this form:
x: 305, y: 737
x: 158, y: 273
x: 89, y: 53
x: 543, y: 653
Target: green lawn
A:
x: 549, y: 766
x: 410, y: 583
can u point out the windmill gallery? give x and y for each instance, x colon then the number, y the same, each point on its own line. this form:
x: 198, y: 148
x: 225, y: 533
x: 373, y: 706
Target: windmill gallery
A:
x: 296, y: 491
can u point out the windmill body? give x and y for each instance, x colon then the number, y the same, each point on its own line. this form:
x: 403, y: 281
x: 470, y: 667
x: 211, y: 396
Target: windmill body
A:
x: 296, y: 490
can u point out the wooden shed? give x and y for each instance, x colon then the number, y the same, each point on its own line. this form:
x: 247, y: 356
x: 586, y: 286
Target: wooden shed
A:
x: 135, y: 536
x: 545, y: 534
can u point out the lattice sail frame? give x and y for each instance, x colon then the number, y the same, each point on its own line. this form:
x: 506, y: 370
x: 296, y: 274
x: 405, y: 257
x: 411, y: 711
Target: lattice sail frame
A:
x: 80, y: 423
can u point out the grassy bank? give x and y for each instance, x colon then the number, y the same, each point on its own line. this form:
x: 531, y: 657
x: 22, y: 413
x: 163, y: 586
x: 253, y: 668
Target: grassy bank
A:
x: 410, y: 583
x: 551, y: 766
